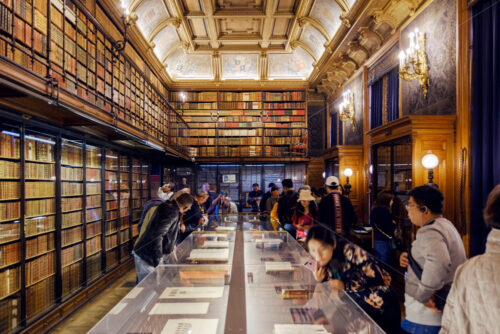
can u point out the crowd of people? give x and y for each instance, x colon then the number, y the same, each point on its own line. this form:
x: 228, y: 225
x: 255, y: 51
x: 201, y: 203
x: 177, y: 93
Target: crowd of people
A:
x: 441, y: 287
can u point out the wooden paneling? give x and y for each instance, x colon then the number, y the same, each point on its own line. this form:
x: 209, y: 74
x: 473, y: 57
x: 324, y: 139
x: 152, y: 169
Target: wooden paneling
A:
x: 315, y: 170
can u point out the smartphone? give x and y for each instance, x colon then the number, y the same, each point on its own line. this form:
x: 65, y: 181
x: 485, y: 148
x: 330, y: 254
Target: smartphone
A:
x: 310, y: 264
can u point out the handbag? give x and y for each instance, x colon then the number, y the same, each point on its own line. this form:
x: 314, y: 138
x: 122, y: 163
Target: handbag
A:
x: 396, y: 243
x: 440, y: 295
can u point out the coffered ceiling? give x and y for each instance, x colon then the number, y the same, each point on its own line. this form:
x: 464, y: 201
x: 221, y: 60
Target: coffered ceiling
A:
x: 321, y: 41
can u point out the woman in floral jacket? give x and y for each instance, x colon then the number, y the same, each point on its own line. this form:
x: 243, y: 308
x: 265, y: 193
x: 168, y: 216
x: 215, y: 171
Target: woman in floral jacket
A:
x: 348, y: 267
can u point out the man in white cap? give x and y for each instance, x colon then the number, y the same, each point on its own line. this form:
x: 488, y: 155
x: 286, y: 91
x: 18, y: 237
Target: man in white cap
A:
x: 335, y: 210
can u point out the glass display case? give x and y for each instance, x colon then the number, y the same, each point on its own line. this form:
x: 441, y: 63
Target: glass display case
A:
x: 245, y: 280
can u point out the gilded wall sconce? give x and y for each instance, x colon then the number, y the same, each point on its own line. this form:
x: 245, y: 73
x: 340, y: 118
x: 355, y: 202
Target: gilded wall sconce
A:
x: 346, y: 108
x: 413, y: 62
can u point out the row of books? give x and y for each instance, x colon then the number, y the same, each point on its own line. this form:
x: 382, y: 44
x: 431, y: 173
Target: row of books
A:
x: 93, y: 174
x: 112, y: 205
x: 9, y: 169
x: 39, y: 189
x: 110, y: 215
x: 40, y: 244
x: 111, y: 227
x: 39, y: 225
x: 284, y: 119
x: 111, y: 259
x: 285, y: 125
x: 72, y: 189
x: 39, y: 171
x: 9, y: 146
x: 71, y: 278
x: 72, y: 235
x: 71, y: 219
x: 283, y: 132
x: 71, y: 204
x: 240, y: 105
x: 240, y: 141
x: 239, y: 132
x: 10, y: 211
x: 286, y: 112
x: 93, y: 245
x: 111, y: 241
x: 284, y: 105
x: 40, y: 268
x: 9, y: 254
x: 281, y: 140
x: 40, y: 207
x: 194, y: 105
x: 71, y: 254
x: 93, y: 201
x: 93, y: 215
x: 39, y: 297
x: 36, y: 150
x: 11, y: 281
x: 194, y: 96
x: 71, y: 174
x: 10, y: 312
x: 9, y: 232
x: 93, y: 189
x: 93, y: 229
x: 285, y: 96
x: 10, y: 190
x: 71, y: 155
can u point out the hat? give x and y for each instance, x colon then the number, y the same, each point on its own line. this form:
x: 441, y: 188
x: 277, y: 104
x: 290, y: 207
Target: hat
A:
x: 273, y: 188
x: 305, y: 195
x: 332, y: 181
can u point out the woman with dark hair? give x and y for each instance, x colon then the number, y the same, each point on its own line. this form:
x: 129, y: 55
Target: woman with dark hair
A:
x: 348, y: 267
x: 305, y: 214
x: 473, y: 303
x: 383, y: 225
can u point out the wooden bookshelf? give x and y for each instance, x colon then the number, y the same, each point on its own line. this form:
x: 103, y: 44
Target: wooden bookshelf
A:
x: 254, y: 124
x: 124, y: 205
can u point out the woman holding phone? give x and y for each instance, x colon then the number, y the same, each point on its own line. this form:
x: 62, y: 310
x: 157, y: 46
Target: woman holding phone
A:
x: 348, y: 267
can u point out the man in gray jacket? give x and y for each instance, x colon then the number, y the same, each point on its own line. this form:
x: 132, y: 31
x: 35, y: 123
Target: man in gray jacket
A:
x: 437, y: 251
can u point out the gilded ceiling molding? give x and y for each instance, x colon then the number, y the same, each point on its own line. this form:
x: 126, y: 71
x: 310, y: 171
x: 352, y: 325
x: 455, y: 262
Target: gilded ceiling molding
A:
x: 302, y: 10
x: 345, y: 20
x: 368, y: 37
x: 412, y: 5
x: 263, y: 66
x: 331, y: 79
x: 355, y: 49
x: 296, y: 44
x: 347, y: 61
x: 134, y: 4
x: 381, y: 16
x: 208, y: 9
x: 183, y: 45
x: 267, y: 28
x: 178, y: 11
x: 163, y: 24
x: 343, y: 5
x: 216, y: 65
x: 306, y: 20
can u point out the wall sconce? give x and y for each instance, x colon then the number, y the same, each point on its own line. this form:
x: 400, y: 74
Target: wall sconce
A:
x: 119, y: 45
x: 416, y: 58
x: 430, y: 161
x: 347, y: 187
x: 346, y: 108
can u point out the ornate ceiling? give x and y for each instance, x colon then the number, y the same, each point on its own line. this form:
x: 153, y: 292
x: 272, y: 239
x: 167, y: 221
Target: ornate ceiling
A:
x: 321, y: 41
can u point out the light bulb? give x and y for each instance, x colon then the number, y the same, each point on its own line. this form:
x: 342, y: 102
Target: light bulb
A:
x: 430, y: 161
x: 324, y: 174
x: 348, y: 172
x: 370, y: 169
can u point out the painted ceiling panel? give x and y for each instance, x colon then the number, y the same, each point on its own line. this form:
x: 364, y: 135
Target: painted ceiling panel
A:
x: 297, y: 64
x: 314, y: 39
x: 327, y: 12
x: 234, y: 4
x: 240, y: 66
x: 165, y: 40
x: 189, y: 66
x: 149, y: 14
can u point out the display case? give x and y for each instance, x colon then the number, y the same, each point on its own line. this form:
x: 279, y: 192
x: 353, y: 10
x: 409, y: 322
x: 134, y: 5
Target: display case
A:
x: 263, y: 286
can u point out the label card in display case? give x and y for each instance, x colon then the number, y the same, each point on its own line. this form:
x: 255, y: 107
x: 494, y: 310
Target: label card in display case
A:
x: 192, y: 292
x: 179, y: 308
x: 191, y: 326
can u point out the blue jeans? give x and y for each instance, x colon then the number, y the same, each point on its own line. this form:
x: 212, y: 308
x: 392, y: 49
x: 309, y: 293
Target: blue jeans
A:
x: 142, y: 268
x: 383, y: 251
x: 290, y: 229
x: 413, y: 328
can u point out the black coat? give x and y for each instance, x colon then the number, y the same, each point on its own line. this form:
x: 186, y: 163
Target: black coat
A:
x: 327, y: 209
x: 286, y: 206
x: 160, y: 234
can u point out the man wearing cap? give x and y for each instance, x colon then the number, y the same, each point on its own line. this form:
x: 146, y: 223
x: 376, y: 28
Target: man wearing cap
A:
x: 335, y: 210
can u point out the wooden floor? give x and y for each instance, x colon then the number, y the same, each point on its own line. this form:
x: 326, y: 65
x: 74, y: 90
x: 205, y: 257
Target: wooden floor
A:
x: 86, y: 317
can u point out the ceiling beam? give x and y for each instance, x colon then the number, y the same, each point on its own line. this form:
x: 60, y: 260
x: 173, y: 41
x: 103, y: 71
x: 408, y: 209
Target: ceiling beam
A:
x: 184, y: 25
x: 209, y: 10
x: 267, y: 28
x: 242, y: 48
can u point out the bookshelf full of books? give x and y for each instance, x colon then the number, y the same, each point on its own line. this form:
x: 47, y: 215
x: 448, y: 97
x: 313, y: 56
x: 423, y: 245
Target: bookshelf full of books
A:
x: 93, y: 216
x: 65, y: 42
x: 39, y: 221
x: 111, y: 198
x: 124, y: 205
x: 245, y: 124
x: 72, y: 222
x: 145, y: 185
x: 136, y: 196
x: 10, y: 228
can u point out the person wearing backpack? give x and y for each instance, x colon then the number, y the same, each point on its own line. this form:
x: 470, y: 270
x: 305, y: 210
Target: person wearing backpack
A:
x: 431, y: 263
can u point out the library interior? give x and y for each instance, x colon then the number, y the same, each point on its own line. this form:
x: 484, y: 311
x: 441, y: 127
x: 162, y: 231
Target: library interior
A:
x: 249, y: 166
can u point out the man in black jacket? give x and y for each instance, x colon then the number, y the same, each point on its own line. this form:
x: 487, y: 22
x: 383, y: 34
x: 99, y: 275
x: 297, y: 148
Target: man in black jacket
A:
x: 286, y: 206
x: 336, y: 210
x: 159, y: 234
x: 193, y: 218
x: 263, y: 202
